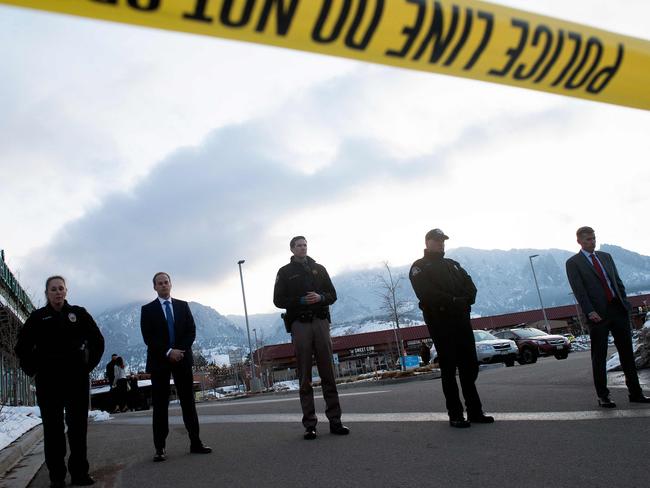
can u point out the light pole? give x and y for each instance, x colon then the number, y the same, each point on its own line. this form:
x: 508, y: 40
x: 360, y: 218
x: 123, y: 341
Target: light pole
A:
x: 530, y: 258
x: 582, y: 329
x: 257, y: 353
x: 248, y: 330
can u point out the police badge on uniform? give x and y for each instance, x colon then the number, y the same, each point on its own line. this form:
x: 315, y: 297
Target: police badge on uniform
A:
x: 72, y: 317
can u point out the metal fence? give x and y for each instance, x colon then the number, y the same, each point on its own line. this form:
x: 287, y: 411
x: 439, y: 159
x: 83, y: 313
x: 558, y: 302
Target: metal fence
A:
x: 16, y: 388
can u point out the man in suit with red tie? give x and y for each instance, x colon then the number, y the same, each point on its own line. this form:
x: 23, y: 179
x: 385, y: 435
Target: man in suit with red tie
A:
x: 168, y: 330
x: 600, y: 292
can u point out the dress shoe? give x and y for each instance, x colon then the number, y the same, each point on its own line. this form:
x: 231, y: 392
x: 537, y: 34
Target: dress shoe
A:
x: 606, y: 402
x: 200, y: 449
x: 339, y: 429
x: 480, y: 419
x: 640, y: 398
x: 82, y: 481
x: 57, y: 484
x: 460, y: 423
x: 160, y: 455
x: 310, y: 433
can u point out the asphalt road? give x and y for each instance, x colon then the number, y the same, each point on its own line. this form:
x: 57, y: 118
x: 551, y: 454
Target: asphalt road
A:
x: 549, y: 432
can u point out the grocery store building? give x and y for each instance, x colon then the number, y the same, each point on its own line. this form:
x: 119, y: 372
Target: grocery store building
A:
x: 367, y: 352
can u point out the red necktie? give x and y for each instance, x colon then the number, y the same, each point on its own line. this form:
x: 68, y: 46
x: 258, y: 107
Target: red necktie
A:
x: 601, y: 275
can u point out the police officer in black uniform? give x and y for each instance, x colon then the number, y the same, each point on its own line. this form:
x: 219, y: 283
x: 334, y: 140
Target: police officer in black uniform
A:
x: 61, y: 344
x: 305, y: 290
x: 110, y: 376
x: 446, y: 293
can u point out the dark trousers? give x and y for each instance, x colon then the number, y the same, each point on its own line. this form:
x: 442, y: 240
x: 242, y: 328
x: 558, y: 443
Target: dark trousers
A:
x: 64, y: 399
x: 456, y: 350
x: 182, y: 375
x: 120, y: 391
x: 616, y: 321
x: 312, y: 339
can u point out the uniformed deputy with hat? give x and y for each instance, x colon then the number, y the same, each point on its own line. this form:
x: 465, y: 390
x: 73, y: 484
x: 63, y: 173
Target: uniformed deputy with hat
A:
x: 446, y: 293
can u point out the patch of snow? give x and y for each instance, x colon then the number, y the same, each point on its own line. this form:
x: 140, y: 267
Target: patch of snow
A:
x: 15, y: 421
x: 98, y: 416
x: 290, y: 385
x: 613, y: 363
x: 581, y: 343
x: 368, y: 326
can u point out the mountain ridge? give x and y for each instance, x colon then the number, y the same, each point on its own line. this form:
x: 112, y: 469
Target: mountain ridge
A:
x: 503, y: 278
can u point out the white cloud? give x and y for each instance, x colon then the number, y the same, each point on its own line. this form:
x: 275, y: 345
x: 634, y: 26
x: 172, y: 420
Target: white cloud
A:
x: 126, y: 150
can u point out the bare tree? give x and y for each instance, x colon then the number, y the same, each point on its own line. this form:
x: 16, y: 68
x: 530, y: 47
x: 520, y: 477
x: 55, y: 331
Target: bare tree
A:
x: 391, y: 304
x: 200, y: 362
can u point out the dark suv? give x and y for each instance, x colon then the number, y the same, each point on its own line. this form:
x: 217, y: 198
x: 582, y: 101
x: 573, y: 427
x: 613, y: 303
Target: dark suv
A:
x: 533, y: 343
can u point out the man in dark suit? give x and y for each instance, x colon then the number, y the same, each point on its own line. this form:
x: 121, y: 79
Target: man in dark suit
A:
x: 168, y: 330
x: 600, y: 292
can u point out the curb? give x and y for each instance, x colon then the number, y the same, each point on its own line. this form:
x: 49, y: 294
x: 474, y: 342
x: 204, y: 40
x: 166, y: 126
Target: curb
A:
x: 431, y: 375
x: 15, y: 451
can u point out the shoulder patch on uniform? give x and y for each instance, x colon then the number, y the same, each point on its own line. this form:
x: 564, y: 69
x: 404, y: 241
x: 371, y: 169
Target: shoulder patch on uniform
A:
x: 72, y: 317
x: 415, y: 270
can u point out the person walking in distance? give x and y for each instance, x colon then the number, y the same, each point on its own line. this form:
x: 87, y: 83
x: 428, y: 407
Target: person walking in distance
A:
x: 446, y: 293
x: 120, y: 385
x: 425, y: 353
x: 169, y: 331
x: 305, y: 290
x: 601, y: 294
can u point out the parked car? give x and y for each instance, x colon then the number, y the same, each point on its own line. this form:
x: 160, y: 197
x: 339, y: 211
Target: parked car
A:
x: 533, y: 343
x: 489, y: 349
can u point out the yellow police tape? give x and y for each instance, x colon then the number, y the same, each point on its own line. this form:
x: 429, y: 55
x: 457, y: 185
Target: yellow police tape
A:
x: 465, y: 38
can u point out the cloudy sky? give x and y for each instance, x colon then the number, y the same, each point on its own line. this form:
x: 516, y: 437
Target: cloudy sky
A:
x: 125, y: 151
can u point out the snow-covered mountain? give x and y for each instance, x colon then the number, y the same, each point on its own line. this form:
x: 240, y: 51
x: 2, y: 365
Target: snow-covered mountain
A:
x: 504, y: 280
x: 215, y: 334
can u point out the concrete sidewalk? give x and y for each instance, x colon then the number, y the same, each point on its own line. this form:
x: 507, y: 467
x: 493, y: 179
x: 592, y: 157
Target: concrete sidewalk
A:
x: 22, y: 459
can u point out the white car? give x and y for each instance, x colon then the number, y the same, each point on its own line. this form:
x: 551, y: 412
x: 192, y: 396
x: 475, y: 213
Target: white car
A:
x: 489, y: 349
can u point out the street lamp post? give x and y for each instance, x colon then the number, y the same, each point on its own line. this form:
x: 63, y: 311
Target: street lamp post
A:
x: 248, y: 330
x: 579, y: 315
x: 539, y: 294
x: 257, y: 353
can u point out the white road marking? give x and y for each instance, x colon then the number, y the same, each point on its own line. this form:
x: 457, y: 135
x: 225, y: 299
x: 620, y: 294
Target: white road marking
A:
x: 274, y: 400
x: 400, y: 417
